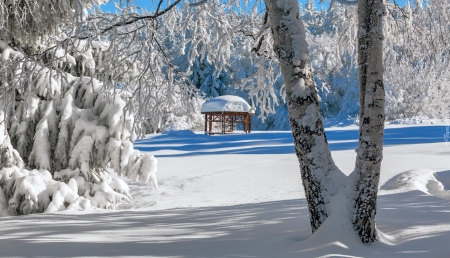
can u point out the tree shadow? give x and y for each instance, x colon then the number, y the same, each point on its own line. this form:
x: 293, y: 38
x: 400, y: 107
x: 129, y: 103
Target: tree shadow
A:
x: 227, y: 231
x: 444, y: 178
x: 187, y: 143
x: 417, y: 224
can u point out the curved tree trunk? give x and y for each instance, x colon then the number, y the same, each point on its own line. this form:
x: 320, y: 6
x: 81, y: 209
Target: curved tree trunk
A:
x: 306, y: 122
x: 371, y: 120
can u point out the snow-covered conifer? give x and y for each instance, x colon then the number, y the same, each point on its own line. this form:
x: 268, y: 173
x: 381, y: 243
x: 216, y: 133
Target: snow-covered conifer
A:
x: 59, y: 132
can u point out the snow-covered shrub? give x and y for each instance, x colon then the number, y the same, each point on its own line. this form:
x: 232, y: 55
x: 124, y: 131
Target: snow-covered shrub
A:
x: 59, y: 136
x: 35, y: 191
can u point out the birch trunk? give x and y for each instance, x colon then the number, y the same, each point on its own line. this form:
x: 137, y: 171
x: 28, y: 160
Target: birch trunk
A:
x: 317, y: 168
x: 311, y: 146
x: 369, y: 152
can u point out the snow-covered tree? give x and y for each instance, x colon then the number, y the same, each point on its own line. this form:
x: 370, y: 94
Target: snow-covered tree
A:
x: 60, y: 133
x: 416, y: 62
x: 334, y: 59
x: 372, y: 116
x: 311, y: 147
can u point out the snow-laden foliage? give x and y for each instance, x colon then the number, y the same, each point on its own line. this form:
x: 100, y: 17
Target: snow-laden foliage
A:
x: 414, y: 79
x: 220, y: 50
x: 29, y: 23
x: 35, y: 191
x: 417, y: 60
x: 8, y: 155
x: 149, y: 58
x: 333, y: 56
x: 60, y: 135
x: 183, y: 113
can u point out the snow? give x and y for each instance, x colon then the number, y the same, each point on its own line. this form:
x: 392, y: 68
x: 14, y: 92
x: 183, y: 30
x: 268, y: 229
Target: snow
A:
x: 241, y: 196
x: 227, y: 103
x: 95, y: 131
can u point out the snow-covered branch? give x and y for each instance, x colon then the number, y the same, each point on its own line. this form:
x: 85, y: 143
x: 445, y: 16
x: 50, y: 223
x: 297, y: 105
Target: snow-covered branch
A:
x: 131, y: 19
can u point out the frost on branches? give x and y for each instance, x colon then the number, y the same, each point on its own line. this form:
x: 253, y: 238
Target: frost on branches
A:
x: 57, y: 139
x: 28, y: 23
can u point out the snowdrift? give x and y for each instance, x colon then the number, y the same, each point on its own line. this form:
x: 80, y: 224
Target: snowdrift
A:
x: 424, y: 180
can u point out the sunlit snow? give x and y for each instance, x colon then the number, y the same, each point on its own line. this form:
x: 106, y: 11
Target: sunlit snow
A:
x: 241, y: 196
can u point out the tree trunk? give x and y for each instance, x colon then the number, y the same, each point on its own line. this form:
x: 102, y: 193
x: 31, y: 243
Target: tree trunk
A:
x: 306, y: 122
x: 321, y: 178
x: 371, y: 120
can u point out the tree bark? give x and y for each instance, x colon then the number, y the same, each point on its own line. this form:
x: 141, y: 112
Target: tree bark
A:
x: 369, y: 152
x: 306, y: 120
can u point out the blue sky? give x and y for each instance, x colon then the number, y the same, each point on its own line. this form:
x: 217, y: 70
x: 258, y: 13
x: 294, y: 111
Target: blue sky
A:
x: 151, y: 4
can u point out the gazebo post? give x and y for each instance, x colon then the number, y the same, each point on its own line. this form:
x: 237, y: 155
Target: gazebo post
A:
x: 232, y: 123
x: 206, y: 123
x: 223, y: 123
x: 211, y: 116
x: 246, y: 123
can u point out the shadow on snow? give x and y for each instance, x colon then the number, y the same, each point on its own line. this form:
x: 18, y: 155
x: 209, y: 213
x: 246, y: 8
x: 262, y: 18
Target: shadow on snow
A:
x: 187, y: 143
x: 189, y: 232
x: 271, y: 229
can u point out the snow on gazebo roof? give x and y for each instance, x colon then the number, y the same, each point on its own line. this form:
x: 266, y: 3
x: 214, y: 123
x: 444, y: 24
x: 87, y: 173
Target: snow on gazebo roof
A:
x: 227, y: 103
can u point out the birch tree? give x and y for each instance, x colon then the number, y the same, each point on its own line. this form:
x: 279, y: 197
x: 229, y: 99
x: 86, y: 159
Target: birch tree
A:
x: 316, y: 164
x: 371, y: 131
x: 322, y: 180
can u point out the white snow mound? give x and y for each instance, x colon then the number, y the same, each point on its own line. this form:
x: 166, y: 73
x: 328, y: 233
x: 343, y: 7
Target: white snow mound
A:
x: 227, y: 103
x: 417, y: 179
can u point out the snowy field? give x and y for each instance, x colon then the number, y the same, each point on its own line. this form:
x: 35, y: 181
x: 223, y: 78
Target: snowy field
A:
x: 241, y: 196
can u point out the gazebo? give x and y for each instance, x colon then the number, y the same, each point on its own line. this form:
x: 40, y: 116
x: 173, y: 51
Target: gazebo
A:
x: 226, y: 111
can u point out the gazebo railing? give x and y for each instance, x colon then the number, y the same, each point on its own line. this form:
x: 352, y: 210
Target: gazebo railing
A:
x: 227, y: 122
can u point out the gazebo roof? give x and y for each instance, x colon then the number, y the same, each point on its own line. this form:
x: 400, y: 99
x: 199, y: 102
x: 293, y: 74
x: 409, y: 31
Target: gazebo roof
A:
x: 227, y: 103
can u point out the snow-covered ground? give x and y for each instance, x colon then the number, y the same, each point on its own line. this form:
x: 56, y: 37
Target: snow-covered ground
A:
x: 241, y: 196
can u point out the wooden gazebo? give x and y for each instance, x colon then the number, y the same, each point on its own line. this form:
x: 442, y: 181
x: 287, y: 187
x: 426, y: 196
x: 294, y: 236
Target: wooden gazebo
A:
x: 225, y: 112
